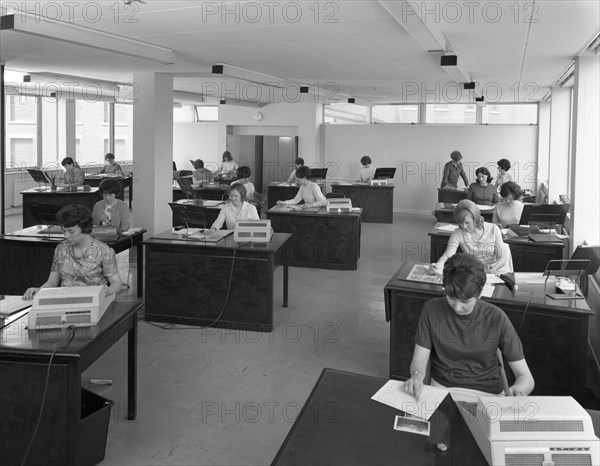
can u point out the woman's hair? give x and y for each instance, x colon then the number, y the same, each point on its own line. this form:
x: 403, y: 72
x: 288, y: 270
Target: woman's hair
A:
x: 67, y: 161
x: 244, y: 172
x: 463, y: 277
x: 299, y: 161
x: 197, y: 164
x: 240, y: 188
x: 227, y: 156
x: 109, y: 186
x: 365, y: 160
x: 465, y: 207
x: 486, y: 172
x: 510, y: 187
x: 109, y: 156
x: 456, y: 156
x: 504, y: 164
x: 75, y: 215
x: 303, y: 172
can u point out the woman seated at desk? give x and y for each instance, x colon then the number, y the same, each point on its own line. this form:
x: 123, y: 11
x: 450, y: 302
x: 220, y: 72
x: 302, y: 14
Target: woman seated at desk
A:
x: 508, y: 212
x: 482, y: 192
x: 367, y: 171
x: 235, y: 209
x: 503, y: 175
x: 299, y: 162
x: 309, y: 191
x: 73, y: 175
x: 243, y: 175
x: 200, y: 174
x: 454, y: 332
x: 477, y: 238
x: 80, y: 260
x: 228, y: 167
x: 111, y: 211
x: 111, y: 167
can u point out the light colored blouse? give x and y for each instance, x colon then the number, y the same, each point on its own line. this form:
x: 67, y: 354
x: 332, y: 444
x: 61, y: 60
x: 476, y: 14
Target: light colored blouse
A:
x: 504, y: 178
x: 249, y: 189
x: 73, y: 178
x: 367, y: 174
x: 227, y: 167
x: 310, y: 194
x: 505, y: 214
x: 119, y: 215
x: 292, y: 178
x: 98, y: 263
x: 230, y: 215
x: 115, y: 168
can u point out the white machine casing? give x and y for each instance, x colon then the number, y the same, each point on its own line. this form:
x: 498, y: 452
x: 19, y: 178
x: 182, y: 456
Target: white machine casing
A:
x: 541, y: 430
x: 80, y: 306
x: 339, y: 205
x: 254, y: 231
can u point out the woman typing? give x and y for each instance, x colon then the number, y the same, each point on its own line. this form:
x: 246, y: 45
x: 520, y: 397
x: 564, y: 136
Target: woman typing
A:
x: 508, y: 212
x: 235, y: 210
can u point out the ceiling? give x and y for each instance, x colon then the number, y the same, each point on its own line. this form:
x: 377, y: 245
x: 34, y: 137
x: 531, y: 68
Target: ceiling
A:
x: 341, y: 49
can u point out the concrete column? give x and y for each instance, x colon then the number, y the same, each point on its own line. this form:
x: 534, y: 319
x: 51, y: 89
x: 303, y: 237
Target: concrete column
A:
x: 585, y: 162
x: 558, y: 167
x: 153, y: 152
x: 543, y: 144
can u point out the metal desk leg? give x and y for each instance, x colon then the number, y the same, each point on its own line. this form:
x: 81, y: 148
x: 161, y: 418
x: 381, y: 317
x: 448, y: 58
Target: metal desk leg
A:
x: 140, y: 270
x: 132, y: 370
x: 286, y: 263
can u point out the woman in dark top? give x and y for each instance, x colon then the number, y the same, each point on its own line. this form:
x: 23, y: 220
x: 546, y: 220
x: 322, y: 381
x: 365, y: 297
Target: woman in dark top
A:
x: 483, y: 192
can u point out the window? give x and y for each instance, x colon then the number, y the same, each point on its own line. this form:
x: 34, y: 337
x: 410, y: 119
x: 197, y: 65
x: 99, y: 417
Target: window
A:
x: 513, y: 114
x: 49, y: 142
x: 395, y: 114
x: 451, y: 113
x: 183, y: 114
x: 92, y: 132
x: 22, y: 109
x: 205, y: 113
x: 123, y: 132
x: 22, y: 152
x: 345, y: 113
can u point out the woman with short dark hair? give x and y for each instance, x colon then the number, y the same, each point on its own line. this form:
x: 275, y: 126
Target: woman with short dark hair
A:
x: 453, y: 170
x: 243, y: 177
x: 111, y: 167
x: 299, y: 162
x: 228, y: 167
x: 111, y: 211
x: 482, y: 192
x: 503, y: 175
x: 80, y: 260
x: 462, y: 334
x: 508, y: 212
x: 73, y: 175
x: 367, y: 171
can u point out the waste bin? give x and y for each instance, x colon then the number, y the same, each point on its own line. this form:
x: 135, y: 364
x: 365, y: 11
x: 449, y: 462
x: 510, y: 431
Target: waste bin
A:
x: 95, y: 417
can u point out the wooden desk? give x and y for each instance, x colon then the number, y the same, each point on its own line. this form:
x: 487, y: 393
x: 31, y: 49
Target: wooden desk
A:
x: 527, y: 255
x: 554, y: 333
x: 24, y: 358
x: 26, y: 261
x: 61, y: 198
x: 320, y: 239
x: 446, y: 215
x: 377, y: 202
x: 187, y: 282
x: 282, y: 191
x: 451, y: 196
x: 340, y: 424
x: 126, y: 182
x: 213, y: 193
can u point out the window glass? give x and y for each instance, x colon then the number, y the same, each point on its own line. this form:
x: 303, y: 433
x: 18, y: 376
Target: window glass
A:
x: 395, y: 114
x: 49, y: 127
x: 21, y: 132
x: 206, y: 113
x: 92, y: 132
x: 183, y: 114
x: 515, y: 114
x: 123, y: 132
x: 345, y: 113
x: 451, y: 113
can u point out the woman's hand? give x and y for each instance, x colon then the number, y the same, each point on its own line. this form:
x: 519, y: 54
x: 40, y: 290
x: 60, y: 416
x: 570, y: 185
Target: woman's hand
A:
x: 514, y: 391
x: 434, y: 269
x: 414, y: 385
x: 210, y: 231
x: 30, y: 293
x: 280, y: 203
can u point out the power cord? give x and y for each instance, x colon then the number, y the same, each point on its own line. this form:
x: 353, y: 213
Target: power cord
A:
x: 39, y: 419
x: 525, y: 311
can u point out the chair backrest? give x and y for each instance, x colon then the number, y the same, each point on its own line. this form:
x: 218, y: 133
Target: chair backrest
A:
x: 192, y: 216
x: 44, y: 214
x: 335, y: 196
x: 186, y: 186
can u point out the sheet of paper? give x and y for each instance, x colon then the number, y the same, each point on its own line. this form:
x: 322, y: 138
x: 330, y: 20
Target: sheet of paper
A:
x: 447, y: 228
x: 491, y: 279
x: 486, y: 207
x: 393, y: 394
x: 12, y: 304
x: 487, y: 291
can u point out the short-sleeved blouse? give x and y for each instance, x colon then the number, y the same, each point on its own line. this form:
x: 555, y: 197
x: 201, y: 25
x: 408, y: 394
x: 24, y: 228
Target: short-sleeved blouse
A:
x: 95, y: 266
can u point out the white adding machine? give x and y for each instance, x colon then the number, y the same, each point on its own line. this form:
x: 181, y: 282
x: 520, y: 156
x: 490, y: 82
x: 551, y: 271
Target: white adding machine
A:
x: 532, y: 430
x: 79, y: 306
x: 339, y: 205
x: 253, y: 231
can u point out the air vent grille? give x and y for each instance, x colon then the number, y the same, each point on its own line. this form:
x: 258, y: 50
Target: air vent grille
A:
x: 524, y: 459
x: 541, y: 426
x: 561, y: 459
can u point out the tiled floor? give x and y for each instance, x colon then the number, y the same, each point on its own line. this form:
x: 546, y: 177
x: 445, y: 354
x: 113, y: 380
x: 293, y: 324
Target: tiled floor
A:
x: 212, y: 396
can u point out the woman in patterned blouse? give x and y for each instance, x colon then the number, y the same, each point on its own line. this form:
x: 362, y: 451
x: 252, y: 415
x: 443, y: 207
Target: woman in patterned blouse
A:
x: 80, y: 260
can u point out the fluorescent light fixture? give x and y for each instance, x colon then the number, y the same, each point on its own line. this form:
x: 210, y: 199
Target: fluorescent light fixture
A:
x: 276, y: 82
x: 407, y: 15
x: 565, y: 76
x: 20, y: 22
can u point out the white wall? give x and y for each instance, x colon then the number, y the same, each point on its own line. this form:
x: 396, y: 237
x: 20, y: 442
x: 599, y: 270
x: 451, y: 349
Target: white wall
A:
x: 193, y: 141
x: 419, y: 153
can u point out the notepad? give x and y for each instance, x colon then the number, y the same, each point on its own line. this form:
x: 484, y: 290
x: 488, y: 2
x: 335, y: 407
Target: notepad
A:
x: 393, y: 394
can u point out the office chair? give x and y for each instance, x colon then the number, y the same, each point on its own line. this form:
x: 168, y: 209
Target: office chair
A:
x: 591, y: 253
x: 335, y: 196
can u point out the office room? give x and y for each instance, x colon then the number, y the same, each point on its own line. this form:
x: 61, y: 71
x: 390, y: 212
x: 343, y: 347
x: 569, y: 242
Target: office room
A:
x: 163, y: 84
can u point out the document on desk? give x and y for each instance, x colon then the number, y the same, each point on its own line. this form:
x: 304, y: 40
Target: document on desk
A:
x: 393, y: 394
x: 11, y: 304
x: 446, y: 228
